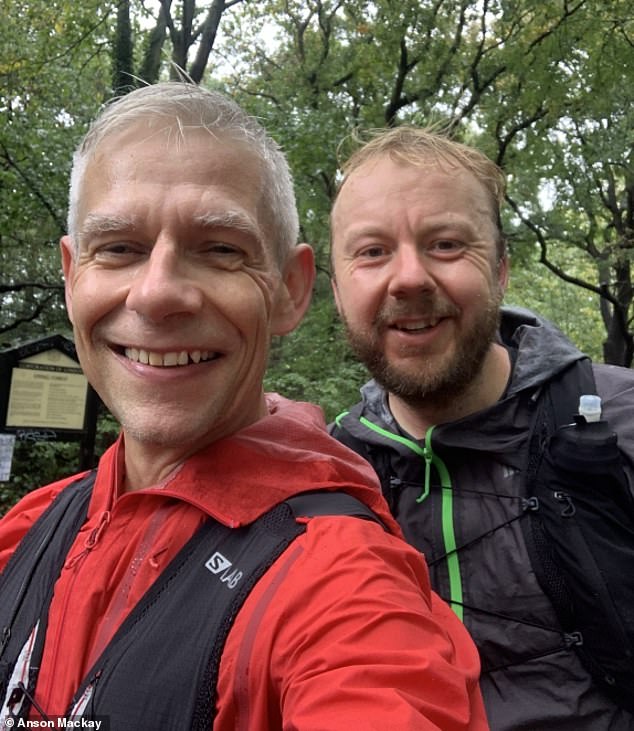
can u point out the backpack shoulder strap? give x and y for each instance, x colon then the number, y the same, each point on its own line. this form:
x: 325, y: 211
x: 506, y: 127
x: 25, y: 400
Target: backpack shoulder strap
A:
x: 557, y: 403
x: 321, y: 502
x: 580, y: 532
x: 564, y: 391
x: 40, y: 555
x: 27, y: 582
x: 207, y: 582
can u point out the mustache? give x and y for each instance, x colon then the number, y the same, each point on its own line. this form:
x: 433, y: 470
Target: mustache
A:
x: 395, y: 311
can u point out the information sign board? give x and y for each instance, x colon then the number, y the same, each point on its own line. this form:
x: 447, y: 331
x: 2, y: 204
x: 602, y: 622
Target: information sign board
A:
x: 47, y: 390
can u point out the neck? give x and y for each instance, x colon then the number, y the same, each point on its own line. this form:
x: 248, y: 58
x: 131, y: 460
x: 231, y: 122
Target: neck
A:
x: 148, y: 468
x: 151, y: 458
x: 485, y: 390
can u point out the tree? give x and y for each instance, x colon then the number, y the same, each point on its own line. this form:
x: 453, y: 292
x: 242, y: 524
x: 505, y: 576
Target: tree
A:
x: 56, y: 62
x: 188, y: 27
x: 568, y: 147
x: 546, y: 90
x: 534, y: 87
x: 47, y: 75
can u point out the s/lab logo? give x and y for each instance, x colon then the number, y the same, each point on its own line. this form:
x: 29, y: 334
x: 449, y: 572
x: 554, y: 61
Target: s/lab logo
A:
x: 219, y: 564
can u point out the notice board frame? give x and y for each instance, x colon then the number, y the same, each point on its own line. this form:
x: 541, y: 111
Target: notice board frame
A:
x: 85, y: 433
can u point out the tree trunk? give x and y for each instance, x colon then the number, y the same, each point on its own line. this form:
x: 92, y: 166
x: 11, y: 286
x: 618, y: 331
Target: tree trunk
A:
x: 123, y: 74
x: 618, y: 347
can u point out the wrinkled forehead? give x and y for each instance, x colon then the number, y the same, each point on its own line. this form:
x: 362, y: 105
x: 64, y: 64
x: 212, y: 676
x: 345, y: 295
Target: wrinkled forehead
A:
x: 237, y: 159
x: 368, y: 178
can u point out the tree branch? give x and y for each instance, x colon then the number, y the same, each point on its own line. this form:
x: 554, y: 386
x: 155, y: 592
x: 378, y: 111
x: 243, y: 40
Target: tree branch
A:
x: 35, y: 313
x: 209, y: 31
x: 601, y: 290
x: 59, y: 221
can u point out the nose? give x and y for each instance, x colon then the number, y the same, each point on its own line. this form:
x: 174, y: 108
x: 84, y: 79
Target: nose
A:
x: 164, y: 285
x: 411, y: 273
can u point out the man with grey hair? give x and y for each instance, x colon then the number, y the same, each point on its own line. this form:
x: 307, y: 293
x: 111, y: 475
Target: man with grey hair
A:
x: 228, y: 564
x: 463, y: 393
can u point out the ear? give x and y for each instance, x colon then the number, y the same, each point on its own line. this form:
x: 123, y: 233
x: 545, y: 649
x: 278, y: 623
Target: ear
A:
x: 295, y: 291
x: 67, y: 249
x: 335, y: 292
x: 503, y: 273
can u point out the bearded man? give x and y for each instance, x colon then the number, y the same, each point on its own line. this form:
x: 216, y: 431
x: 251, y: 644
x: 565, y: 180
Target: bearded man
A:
x: 419, y: 273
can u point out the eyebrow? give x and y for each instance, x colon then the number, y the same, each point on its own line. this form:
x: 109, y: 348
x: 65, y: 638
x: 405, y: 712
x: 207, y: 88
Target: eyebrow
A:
x: 231, y: 219
x: 432, y: 227
x: 97, y: 223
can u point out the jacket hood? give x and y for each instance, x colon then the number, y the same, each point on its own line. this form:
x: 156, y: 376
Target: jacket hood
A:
x: 542, y: 349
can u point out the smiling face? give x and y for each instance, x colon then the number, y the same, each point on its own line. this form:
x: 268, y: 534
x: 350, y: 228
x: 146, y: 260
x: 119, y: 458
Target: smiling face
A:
x: 416, y: 277
x: 174, y: 292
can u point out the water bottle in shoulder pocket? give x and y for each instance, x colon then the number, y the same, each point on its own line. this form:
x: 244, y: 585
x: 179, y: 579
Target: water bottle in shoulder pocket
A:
x: 583, y: 526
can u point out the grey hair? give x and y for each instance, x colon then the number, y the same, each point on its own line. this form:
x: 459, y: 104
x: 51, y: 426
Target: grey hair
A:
x: 183, y: 105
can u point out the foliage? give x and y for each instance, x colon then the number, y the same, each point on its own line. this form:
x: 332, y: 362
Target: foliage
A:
x: 38, y: 464
x: 49, y: 80
x: 314, y: 363
x: 59, y: 61
x: 572, y: 172
x: 546, y: 90
x: 574, y: 310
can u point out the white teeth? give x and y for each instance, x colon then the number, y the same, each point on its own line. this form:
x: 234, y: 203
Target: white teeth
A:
x: 169, y: 359
x: 166, y: 360
x: 414, y: 327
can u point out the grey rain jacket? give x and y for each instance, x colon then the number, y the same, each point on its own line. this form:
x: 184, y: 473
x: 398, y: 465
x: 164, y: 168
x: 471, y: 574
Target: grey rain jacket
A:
x: 460, y: 488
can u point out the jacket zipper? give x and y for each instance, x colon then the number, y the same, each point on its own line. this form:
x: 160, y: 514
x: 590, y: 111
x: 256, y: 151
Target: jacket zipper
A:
x: 447, y: 521
x: 446, y: 503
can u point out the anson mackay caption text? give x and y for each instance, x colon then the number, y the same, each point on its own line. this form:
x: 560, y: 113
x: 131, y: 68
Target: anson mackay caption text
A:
x: 102, y: 724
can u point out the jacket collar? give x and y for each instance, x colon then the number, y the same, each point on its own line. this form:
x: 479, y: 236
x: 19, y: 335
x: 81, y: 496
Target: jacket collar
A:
x: 239, y: 478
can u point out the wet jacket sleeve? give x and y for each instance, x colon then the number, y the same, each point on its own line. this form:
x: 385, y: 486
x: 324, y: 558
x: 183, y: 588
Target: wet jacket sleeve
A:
x: 343, y: 633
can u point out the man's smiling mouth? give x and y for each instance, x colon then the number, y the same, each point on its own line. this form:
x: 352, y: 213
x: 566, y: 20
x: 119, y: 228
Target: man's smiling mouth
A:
x: 170, y: 359
x: 416, y: 326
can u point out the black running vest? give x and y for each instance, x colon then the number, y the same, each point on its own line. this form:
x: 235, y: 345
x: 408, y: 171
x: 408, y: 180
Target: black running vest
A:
x: 160, y: 669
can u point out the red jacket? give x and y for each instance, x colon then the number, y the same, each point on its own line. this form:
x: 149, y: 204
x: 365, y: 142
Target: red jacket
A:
x: 343, y: 629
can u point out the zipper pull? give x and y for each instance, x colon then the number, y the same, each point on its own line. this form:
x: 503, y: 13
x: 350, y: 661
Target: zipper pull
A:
x: 428, y: 457
x: 91, y: 541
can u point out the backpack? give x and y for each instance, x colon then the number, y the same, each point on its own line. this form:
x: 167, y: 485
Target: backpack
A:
x: 580, y: 531
x: 578, y: 525
x: 177, y: 630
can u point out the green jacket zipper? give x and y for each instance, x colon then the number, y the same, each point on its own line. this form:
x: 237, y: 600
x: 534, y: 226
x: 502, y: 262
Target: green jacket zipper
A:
x: 426, y: 453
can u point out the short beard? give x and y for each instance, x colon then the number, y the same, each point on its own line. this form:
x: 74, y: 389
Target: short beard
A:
x: 437, y: 384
